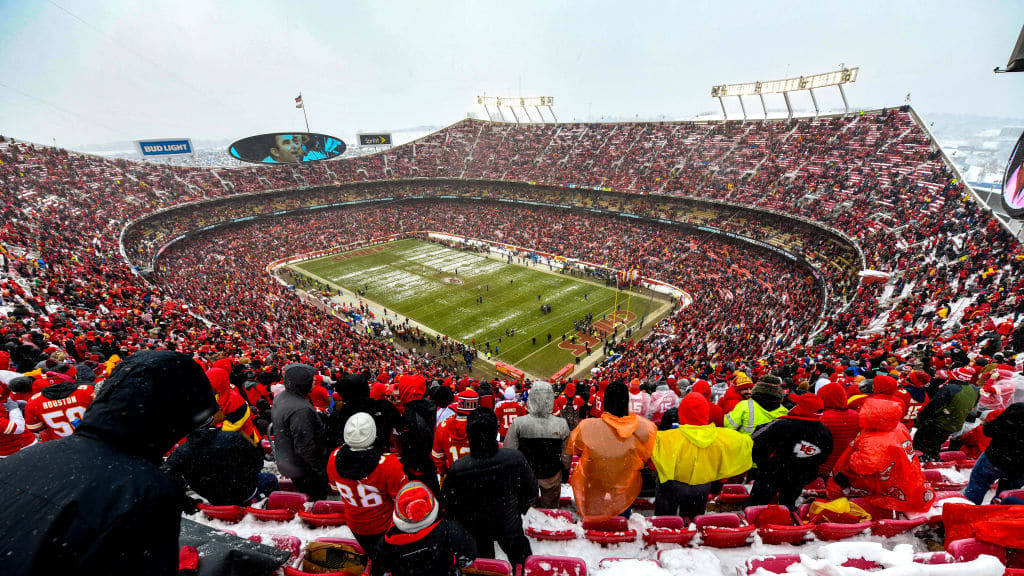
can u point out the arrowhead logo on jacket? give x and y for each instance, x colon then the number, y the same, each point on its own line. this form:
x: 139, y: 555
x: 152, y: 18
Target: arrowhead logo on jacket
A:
x: 806, y: 450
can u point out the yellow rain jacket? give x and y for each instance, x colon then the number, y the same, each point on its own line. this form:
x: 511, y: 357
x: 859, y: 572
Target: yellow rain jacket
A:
x: 701, y: 454
x: 612, y: 452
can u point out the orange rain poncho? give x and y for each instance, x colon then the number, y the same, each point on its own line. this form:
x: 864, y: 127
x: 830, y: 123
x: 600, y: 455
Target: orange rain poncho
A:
x: 612, y: 452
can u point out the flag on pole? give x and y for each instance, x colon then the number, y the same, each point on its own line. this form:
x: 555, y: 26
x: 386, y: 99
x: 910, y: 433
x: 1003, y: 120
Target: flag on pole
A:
x: 298, y: 101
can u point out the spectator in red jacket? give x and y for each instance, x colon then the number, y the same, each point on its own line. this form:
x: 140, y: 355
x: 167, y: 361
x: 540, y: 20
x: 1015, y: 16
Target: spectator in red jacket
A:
x: 882, y: 461
x: 883, y: 387
x: 842, y: 421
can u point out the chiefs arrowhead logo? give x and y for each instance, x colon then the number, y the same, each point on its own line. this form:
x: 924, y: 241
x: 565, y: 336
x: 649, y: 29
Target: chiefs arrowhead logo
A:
x: 805, y: 450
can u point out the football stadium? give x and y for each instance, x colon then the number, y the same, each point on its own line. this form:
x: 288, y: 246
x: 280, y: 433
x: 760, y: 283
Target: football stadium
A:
x: 781, y: 337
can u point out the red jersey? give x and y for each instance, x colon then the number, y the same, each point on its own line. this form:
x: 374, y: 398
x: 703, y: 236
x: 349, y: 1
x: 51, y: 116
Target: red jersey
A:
x: 450, y: 443
x: 507, y: 411
x: 913, y: 408
x: 57, y: 418
x: 13, y: 435
x: 370, y: 501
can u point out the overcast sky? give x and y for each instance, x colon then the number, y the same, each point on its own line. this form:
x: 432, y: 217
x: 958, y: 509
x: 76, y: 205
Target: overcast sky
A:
x: 90, y: 72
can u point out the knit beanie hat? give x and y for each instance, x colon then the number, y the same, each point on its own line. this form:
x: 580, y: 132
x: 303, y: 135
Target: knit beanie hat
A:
x: 509, y: 393
x: 360, y: 431
x: 768, y: 385
x: 467, y: 402
x: 415, y: 508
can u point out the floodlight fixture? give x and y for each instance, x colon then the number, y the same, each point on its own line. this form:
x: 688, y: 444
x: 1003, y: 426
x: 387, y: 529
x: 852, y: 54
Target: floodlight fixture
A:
x: 520, y: 102
x: 836, y: 78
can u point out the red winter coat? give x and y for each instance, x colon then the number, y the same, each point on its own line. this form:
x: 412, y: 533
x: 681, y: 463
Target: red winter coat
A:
x: 841, y: 421
x: 882, y: 461
x: 729, y: 400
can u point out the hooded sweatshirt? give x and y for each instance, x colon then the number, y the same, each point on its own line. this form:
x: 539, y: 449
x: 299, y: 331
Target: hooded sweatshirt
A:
x: 96, y: 502
x: 698, y: 452
x: 299, y: 446
x: 416, y: 427
x: 612, y: 451
x: 841, y: 421
x: 539, y: 435
x: 883, y: 462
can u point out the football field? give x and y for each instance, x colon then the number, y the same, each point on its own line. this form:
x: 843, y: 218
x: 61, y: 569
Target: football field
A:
x: 470, y: 297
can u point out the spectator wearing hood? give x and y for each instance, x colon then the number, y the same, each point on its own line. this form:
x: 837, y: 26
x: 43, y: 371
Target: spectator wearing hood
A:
x: 443, y: 399
x: 223, y: 467
x: 420, y: 541
x: 234, y: 414
x: 489, y: 490
x: 693, y: 456
x: 663, y: 399
x: 612, y: 450
x: 450, y: 439
x: 354, y: 390
x: 416, y: 431
x: 883, y: 387
x: 542, y: 437
x: 1003, y: 460
x: 882, y: 461
x: 368, y: 480
x: 945, y: 414
x: 96, y: 502
x: 715, y: 413
x: 842, y: 421
x: 788, y: 452
x: 763, y: 406
x: 299, y: 437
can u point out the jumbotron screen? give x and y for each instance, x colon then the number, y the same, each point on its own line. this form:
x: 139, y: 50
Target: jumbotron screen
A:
x: 1013, y: 182
x: 287, y: 148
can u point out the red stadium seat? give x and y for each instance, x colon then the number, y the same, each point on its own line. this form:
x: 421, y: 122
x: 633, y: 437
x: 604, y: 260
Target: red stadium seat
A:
x: 777, y: 524
x: 230, y: 514
x: 489, y: 567
x: 324, y: 513
x: 288, y: 543
x: 554, y: 566
x: 668, y: 530
x: 967, y: 549
x: 294, y: 501
x: 723, y: 530
x: 549, y: 534
x: 777, y: 564
x: 733, y: 494
x: 614, y: 530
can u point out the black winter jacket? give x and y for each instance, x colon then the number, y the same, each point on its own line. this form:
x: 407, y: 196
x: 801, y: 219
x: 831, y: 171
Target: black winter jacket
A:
x: 299, y: 438
x: 792, y: 449
x: 354, y: 390
x: 438, y: 550
x: 489, y: 490
x: 96, y: 502
x: 222, y: 467
x: 416, y: 437
x: 1006, y: 431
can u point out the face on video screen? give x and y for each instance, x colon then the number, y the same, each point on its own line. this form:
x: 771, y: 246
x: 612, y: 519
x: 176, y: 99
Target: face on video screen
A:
x: 287, y: 148
x: 1013, y: 181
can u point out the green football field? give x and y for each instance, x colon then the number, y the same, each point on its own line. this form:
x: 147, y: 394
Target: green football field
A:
x: 438, y: 287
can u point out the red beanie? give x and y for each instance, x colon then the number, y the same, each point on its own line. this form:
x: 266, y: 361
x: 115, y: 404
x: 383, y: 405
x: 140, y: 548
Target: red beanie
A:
x: 634, y: 386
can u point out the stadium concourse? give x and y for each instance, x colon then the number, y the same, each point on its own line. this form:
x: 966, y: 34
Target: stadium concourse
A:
x: 767, y: 225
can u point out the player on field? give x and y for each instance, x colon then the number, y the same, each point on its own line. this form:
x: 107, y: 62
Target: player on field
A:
x: 57, y: 409
x: 367, y: 479
x: 450, y: 440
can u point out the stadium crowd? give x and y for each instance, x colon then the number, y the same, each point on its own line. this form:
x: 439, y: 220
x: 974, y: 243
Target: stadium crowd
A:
x: 932, y: 348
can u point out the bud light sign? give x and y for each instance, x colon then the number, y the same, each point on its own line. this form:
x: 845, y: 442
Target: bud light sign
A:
x: 165, y: 147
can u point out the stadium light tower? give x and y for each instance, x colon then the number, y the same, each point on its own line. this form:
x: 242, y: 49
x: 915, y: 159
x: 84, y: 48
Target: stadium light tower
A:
x: 521, y: 102
x: 837, y: 78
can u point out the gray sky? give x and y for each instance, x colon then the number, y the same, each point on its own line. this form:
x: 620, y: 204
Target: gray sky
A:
x: 89, y: 72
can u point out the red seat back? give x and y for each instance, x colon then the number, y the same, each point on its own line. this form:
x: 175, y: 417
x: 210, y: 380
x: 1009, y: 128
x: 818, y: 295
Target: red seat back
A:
x: 554, y: 565
x: 776, y: 564
x: 282, y: 500
x: 723, y: 519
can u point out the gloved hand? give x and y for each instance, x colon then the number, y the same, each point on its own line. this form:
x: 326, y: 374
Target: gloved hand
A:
x: 11, y: 404
x: 188, y: 560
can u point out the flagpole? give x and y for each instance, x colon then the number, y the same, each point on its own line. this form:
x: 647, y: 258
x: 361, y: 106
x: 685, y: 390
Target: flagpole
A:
x: 629, y: 292
x: 306, y: 118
